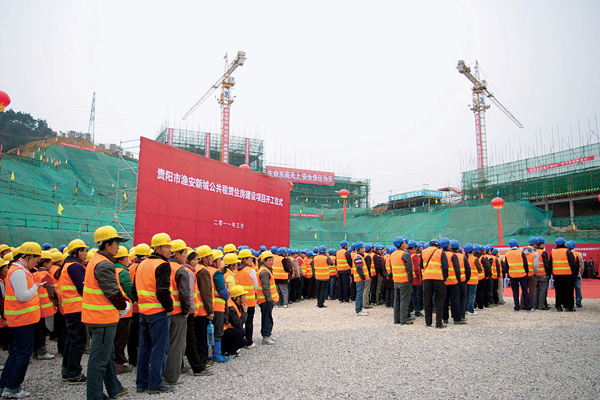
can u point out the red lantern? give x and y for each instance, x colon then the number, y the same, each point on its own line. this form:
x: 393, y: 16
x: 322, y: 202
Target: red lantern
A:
x: 4, y: 100
x: 599, y: 197
x: 291, y: 186
x: 497, y: 203
x: 245, y: 166
x: 344, y: 194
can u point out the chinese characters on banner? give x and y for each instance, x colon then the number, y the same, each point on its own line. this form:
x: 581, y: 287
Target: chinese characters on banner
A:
x: 560, y: 164
x: 204, y: 201
x: 301, y: 175
x: 225, y: 143
x: 77, y: 147
x: 247, y: 149
x: 207, y: 145
x: 306, y: 215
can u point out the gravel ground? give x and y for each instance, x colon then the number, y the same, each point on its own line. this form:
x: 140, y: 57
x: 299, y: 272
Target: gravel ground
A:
x: 332, y: 354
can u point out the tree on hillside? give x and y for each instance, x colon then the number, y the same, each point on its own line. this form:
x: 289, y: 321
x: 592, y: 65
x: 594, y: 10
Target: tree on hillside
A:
x: 18, y: 129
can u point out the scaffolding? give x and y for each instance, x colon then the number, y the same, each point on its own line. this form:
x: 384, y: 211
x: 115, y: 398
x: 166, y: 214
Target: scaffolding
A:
x: 195, y: 142
x: 568, y: 173
x: 321, y: 196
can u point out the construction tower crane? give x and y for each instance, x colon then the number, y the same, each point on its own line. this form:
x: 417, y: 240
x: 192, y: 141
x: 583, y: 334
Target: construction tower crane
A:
x: 480, y: 92
x: 226, y: 82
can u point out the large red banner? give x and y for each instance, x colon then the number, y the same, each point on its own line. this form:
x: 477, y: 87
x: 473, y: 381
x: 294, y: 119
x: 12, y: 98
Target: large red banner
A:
x: 77, y: 147
x: 203, y: 201
x: 301, y: 175
x: 561, y: 164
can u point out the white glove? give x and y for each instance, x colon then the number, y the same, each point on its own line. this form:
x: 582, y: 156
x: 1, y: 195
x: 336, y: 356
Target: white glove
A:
x: 124, y: 312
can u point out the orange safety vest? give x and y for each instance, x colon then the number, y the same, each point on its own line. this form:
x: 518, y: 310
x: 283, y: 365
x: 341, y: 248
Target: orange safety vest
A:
x: 278, y: 271
x: 145, y: 283
x: 119, y: 270
x: 321, y: 268
x: 17, y: 313
x: 227, y: 274
x: 494, y: 269
x: 308, y: 272
x: 132, y: 269
x: 341, y: 262
x: 231, y: 303
x: 560, y: 262
x: 514, y: 259
x: 398, y: 268
x: 69, y: 297
x: 461, y: 262
x: 364, y: 267
x: 474, y: 279
x: 200, y: 310
x: 218, y: 302
x: 95, y: 307
x: 332, y: 268
x: 432, y: 264
x: 174, y: 289
x: 260, y: 296
x: 542, y: 271
x: 372, y: 257
x: 388, y: 263
x: 244, y: 279
x: 53, y: 269
x: 47, y: 309
x: 578, y: 257
x: 451, y: 280
x: 529, y: 257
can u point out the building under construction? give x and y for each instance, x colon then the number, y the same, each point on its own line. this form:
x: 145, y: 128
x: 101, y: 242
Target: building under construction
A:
x: 320, y: 196
x: 196, y: 141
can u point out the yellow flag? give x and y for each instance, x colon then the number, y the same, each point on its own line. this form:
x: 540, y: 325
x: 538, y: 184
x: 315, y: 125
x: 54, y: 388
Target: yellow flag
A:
x: 12, y: 176
x: 60, y: 209
x: 125, y: 195
x: 315, y: 235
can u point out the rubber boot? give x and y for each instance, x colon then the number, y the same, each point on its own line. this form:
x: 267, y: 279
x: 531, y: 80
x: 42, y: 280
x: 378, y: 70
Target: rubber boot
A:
x: 217, y: 357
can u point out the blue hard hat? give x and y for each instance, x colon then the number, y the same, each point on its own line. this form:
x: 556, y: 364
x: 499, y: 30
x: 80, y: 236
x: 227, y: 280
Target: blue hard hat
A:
x: 281, y: 251
x: 411, y: 244
x: 468, y: 248
x: 368, y: 246
x: 310, y: 254
x: 513, y: 243
x: 378, y: 247
x: 62, y: 247
x: 541, y: 240
x: 240, y: 248
x: 495, y: 251
x: 343, y: 243
x: 560, y: 241
x: 421, y: 243
x: 454, y: 244
x: 476, y: 247
x: 46, y: 246
x: 488, y: 247
x: 263, y: 248
x: 398, y: 240
x: 322, y: 248
x: 425, y: 246
x: 390, y: 249
x: 316, y: 249
x: 570, y: 244
x: 274, y: 249
x: 444, y: 242
x: 435, y: 241
x: 358, y: 245
x: 533, y: 240
x: 304, y: 251
x: 332, y: 252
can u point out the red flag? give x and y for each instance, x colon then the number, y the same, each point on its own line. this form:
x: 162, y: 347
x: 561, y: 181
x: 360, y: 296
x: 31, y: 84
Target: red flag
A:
x: 54, y: 186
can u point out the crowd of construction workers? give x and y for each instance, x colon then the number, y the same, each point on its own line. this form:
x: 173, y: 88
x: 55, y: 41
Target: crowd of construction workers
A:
x: 154, y: 305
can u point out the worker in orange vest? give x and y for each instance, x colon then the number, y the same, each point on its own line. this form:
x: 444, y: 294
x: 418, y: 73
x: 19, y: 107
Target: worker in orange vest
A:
x: 435, y: 271
x: 282, y: 268
x: 343, y: 260
x: 360, y: 274
x: 22, y: 313
x: 205, y: 310
x: 321, y: 265
x: 465, y: 274
x: 142, y: 251
x: 220, y: 296
x: 234, y: 336
x: 48, y: 297
x: 309, y: 276
x: 402, y: 275
x: 472, y: 278
x: 579, y: 260
x: 564, y: 271
x: 122, y: 334
x: 515, y: 263
x: 543, y: 276
x: 452, y: 283
x: 248, y: 279
x: 266, y: 296
x: 152, y: 291
x: 103, y: 304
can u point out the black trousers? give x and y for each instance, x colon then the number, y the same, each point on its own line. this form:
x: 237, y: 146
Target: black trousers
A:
x: 233, y: 340
x: 60, y: 331
x: 294, y: 284
x: 439, y: 288
x: 463, y: 299
x: 344, y: 279
x: 452, y: 299
x: 133, y: 339
x: 480, y: 297
x: 121, y: 339
x: 322, y: 287
x: 389, y: 296
x: 200, y: 326
x: 564, y: 286
x: 494, y: 296
x: 249, y: 326
x: 308, y: 287
x: 191, y: 348
x: 353, y: 290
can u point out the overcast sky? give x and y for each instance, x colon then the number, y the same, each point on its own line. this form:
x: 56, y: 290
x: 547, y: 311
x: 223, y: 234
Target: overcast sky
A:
x: 368, y: 89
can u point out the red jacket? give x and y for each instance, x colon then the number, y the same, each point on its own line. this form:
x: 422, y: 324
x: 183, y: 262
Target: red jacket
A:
x: 416, y: 262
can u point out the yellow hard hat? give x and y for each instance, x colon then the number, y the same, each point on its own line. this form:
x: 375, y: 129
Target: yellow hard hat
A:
x: 230, y: 259
x: 30, y: 248
x: 15, y: 250
x: 122, y: 252
x: 143, y: 249
x: 3, y: 247
x: 46, y: 255
x: 237, y: 291
x: 65, y: 250
x: 56, y: 256
x: 64, y: 256
x: 229, y: 248
x: 245, y: 253
x: 160, y: 239
x: 105, y: 233
x: 90, y: 254
x: 204, y: 251
x: 217, y: 254
x: 54, y: 250
x: 4, y: 264
x: 8, y: 257
x: 131, y: 256
x: 178, y: 245
x: 265, y: 254
x: 76, y: 244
